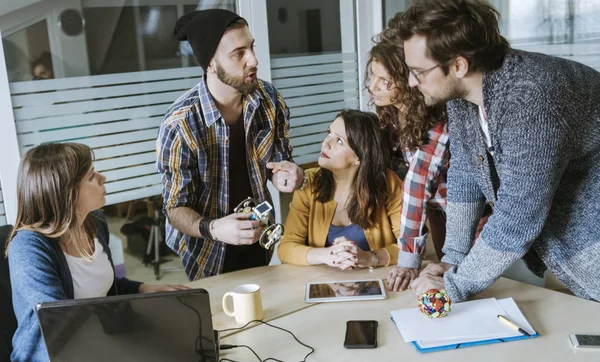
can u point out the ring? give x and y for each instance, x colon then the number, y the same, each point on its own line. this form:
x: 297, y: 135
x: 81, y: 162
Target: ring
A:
x: 285, y: 182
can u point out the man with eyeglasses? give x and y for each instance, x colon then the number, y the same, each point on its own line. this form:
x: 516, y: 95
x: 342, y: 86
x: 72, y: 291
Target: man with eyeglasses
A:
x: 524, y: 137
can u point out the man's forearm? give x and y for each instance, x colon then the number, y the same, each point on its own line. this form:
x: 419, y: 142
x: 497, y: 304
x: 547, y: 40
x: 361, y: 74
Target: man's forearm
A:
x: 478, y: 271
x: 186, y: 220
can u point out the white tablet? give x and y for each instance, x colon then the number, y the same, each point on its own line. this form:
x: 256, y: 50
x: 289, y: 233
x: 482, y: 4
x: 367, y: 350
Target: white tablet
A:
x: 345, y: 290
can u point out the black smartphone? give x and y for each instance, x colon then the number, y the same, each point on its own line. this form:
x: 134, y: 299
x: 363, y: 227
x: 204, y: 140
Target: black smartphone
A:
x: 361, y: 334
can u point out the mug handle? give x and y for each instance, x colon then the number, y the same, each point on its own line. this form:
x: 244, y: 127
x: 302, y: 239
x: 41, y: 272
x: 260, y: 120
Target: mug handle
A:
x: 226, y: 309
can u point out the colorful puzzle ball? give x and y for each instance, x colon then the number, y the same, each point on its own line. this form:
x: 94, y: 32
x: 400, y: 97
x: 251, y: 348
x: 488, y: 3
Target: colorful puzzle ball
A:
x: 434, y: 303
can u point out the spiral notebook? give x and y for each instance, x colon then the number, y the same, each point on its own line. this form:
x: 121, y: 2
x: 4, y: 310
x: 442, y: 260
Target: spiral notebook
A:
x: 469, y: 324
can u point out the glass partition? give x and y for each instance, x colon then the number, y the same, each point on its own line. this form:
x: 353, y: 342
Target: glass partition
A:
x: 102, y: 73
x: 314, y: 65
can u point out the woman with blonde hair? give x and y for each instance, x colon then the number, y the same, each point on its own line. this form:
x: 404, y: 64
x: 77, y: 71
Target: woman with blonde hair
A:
x: 58, y: 249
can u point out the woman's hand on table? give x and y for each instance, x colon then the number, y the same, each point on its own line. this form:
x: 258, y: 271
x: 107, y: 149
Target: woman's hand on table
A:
x: 343, y: 254
x: 322, y: 256
x: 350, y: 255
x: 399, y: 278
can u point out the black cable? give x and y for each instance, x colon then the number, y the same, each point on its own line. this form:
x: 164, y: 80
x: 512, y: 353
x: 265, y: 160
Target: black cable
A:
x: 230, y: 346
x: 237, y: 329
x: 242, y: 345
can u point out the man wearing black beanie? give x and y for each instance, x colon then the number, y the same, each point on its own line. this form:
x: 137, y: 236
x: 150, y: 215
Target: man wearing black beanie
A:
x: 219, y: 143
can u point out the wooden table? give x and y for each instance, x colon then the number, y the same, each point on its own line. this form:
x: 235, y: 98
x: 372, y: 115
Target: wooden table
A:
x: 282, y: 288
x: 554, y: 315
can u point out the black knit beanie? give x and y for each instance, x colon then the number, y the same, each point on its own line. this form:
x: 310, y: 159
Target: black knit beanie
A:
x: 204, y: 29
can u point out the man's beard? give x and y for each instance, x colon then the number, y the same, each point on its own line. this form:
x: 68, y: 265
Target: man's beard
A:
x: 237, y: 83
x: 452, y: 90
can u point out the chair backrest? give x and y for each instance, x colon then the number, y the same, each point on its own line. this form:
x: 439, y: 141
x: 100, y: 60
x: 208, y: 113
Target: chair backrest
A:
x: 8, y: 321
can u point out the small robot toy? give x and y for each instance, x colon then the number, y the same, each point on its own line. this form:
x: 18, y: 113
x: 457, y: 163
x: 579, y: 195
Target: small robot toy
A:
x: 272, y: 231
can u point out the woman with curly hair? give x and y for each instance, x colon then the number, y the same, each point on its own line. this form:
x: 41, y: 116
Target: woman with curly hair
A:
x: 418, y: 141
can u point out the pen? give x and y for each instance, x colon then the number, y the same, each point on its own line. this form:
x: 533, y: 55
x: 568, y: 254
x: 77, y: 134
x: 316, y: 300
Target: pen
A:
x: 504, y: 320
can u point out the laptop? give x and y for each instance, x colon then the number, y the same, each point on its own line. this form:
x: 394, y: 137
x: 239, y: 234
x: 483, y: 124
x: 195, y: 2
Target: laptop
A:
x: 166, y: 326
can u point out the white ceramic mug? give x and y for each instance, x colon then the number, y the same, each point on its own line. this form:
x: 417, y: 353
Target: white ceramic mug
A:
x: 247, y: 303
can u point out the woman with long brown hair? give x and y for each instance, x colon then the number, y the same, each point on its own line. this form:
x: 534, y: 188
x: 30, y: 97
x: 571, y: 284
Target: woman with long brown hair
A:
x: 59, y: 245
x: 348, y: 214
x: 418, y: 142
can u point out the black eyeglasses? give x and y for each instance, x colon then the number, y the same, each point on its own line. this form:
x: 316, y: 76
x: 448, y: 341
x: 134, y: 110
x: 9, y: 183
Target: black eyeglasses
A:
x: 418, y: 74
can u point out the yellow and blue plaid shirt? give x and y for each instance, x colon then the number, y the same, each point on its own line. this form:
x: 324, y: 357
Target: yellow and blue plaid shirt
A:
x: 193, y: 156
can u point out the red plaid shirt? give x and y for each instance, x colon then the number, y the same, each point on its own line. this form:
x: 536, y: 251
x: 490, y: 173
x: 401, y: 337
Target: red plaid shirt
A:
x: 424, y: 186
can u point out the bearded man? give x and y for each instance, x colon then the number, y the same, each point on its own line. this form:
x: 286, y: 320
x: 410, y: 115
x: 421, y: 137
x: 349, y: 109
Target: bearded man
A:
x: 219, y: 143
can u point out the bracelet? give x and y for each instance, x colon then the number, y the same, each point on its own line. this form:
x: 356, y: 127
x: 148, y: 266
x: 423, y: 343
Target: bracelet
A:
x: 375, y: 261
x: 304, y: 182
x: 205, y: 228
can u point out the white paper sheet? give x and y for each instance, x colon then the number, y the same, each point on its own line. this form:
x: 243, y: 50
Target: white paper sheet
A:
x: 511, y: 311
x: 467, y: 321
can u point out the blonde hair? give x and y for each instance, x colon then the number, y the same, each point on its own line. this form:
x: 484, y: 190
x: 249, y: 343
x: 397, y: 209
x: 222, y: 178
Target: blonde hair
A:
x: 47, y: 192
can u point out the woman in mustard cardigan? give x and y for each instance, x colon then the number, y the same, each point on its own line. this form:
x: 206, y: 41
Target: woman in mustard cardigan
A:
x: 348, y: 214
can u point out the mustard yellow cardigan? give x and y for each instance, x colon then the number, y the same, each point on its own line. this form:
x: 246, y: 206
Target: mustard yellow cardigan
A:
x: 308, y: 222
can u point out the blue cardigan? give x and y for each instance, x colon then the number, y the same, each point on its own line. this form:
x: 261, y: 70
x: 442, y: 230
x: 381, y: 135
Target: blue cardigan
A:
x: 39, y: 273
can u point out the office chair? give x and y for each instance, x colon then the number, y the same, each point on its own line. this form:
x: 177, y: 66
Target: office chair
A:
x: 8, y: 321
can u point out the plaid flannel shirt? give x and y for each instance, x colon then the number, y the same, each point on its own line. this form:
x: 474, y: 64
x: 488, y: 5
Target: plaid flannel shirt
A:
x: 424, y: 186
x: 193, y: 155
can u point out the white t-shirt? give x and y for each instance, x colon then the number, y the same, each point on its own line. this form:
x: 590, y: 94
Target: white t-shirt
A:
x: 484, y: 129
x: 91, y: 279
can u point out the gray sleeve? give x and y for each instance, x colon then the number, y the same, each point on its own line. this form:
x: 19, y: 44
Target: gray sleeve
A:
x: 465, y: 203
x: 409, y: 260
x: 461, y: 223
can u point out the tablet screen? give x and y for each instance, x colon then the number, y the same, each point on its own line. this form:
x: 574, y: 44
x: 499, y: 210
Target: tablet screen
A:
x: 345, y: 289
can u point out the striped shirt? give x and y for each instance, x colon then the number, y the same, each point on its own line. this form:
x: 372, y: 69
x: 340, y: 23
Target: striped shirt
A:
x: 193, y: 156
x: 424, y: 186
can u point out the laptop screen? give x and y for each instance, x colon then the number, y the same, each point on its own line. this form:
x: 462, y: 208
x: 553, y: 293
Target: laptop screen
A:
x: 173, y: 326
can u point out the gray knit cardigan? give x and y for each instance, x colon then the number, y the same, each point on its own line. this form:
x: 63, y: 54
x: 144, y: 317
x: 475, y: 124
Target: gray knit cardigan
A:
x: 543, y: 179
